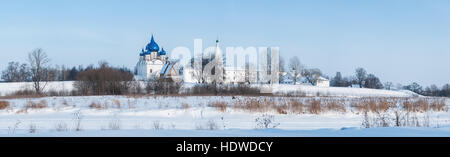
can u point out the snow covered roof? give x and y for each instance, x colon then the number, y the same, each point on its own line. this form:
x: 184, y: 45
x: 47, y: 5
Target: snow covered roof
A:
x: 322, y: 79
x: 166, y: 69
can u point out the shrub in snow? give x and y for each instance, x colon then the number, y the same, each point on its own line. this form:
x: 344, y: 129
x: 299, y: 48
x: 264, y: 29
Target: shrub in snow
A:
x: 185, y: 106
x: 78, y: 116
x: 210, y: 125
x: 266, y: 121
x: 396, y: 118
x: 61, y: 126
x: 12, y: 130
x: 220, y: 105
x: 114, y: 124
x: 32, y: 128
x: 39, y: 105
x: 4, y: 105
x: 315, y: 106
x: 157, y: 125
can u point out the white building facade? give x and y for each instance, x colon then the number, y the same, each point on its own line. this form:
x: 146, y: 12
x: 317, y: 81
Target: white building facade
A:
x: 322, y: 82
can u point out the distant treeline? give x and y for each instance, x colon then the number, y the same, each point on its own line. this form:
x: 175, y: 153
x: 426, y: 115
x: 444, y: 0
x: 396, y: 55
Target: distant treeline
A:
x: 360, y: 79
x: 364, y: 80
x: 21, y: 72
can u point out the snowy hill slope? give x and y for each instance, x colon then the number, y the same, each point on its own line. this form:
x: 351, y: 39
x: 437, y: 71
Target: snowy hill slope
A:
x: 333, y: 91
x: 11, y: 87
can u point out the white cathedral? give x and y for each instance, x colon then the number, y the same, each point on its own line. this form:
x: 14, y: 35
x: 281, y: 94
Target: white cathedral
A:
x: 154, y: 64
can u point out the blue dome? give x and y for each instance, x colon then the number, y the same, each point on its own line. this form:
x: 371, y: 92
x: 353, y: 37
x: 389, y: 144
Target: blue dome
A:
x: 142, y: 53
x: 162, y: 52
x: 152, y: 46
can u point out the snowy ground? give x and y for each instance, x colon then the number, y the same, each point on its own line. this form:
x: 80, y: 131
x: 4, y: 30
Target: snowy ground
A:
x: 344, y: 132
x: 170, y: 116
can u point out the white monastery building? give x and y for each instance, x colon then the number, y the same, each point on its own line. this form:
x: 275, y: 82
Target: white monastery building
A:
x: 154, y: 64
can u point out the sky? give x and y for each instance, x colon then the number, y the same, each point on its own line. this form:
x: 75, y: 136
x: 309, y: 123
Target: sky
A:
x: 401, y: 41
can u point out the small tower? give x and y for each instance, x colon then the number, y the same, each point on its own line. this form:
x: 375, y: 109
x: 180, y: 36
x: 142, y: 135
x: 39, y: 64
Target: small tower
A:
x: 218, y: 52
x: 217, y: 49
x: 163, y: 55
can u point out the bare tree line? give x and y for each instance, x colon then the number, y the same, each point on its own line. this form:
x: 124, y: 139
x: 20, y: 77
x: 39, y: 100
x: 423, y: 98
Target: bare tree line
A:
x: 361, y: 79
x: 89, y: 81
x: 310, y: 75
x: 431, y: 90
x: 297, y: 70
x: 37, y: 71
x: 110, y: 80
x: 22, y: 72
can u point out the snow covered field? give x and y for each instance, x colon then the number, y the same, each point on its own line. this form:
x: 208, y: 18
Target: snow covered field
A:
x: 345, y: 132
x: 190, y: 116
x: 203, y: 115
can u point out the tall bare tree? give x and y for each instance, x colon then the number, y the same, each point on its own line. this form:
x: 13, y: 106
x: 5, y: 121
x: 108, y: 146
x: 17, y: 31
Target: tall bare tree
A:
x: 388, y: 85
x: 196, y: 72
x: 414, y: 87
x: 10, y: 73
x: 372, y: 81
x: 311, y: 75
x: 282, y: 69
x: 16, y: 72
x: 337, y: 80
x: 282, y: 64
x: 39, y: 60
x: 434, y: 90
x: 445, y: 90
x: 295, y: 67
x: 361, y: 75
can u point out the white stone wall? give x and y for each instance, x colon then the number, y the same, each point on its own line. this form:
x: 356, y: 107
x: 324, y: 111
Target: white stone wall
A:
x: 323, y: 83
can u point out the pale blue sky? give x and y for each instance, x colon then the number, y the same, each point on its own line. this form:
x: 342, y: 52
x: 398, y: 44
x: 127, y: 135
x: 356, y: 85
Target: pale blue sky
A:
x: 398, y: 40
